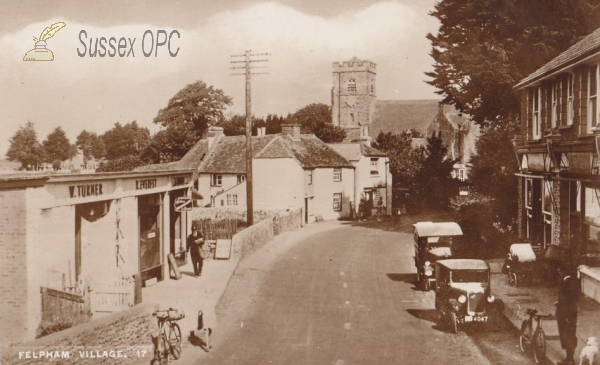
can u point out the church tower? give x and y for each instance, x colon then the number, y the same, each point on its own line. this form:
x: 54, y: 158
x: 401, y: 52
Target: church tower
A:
x: 353, y: 96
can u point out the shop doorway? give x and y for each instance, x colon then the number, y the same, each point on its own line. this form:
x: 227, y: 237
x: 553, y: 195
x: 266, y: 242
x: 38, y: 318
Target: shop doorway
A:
x: 151, y: 258
x: 177, y: 229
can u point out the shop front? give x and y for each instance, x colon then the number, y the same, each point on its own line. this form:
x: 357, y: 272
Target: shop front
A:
x: 97, y: 239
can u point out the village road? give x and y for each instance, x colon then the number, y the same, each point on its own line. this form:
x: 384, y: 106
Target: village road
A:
x: 343, y: 296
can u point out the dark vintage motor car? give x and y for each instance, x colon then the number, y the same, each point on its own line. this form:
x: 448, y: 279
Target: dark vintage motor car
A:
x: 463, y: 294
x: 433, y: 241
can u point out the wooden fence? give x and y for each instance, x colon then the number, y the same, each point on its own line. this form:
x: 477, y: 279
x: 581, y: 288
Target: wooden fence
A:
x: 219, y: 229
x: 113, y: 295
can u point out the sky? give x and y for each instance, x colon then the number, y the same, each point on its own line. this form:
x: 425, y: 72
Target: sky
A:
x: 303, y: 37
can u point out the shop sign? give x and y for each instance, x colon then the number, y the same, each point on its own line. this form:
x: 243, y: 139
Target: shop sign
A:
x: 145, y: 184
x: 580, y: 162
x: 82, y: 191
x: 180, y: 180
x: 536, y: 162
x: 183, y: 203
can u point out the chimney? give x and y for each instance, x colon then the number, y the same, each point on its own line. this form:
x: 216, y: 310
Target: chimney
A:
x: 292, y: 129
x: 213, y: 133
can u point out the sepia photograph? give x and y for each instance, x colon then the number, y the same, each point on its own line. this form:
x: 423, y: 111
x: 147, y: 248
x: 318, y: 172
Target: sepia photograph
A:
x: 300, y: 182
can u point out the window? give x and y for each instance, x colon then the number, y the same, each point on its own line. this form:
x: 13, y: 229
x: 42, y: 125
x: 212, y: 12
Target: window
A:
x: 372, y: 88
x: 216, y: 180
x: 337, y: 202
x: 352, y: 85
x: 374, y: 167
x: 592, y: 220
x: 570, y: 97
x: 547, y: 212
x: 337, y: 174
x: 241, y: 179
x: 555, y: 93
x: 309, y: 176
x: 232, y: 199
x: 537, y: 128
x: 592, y: 111
x: 529, y: 207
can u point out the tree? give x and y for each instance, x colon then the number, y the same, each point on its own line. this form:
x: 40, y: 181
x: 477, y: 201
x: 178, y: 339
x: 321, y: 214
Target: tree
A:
x: 405, y: 160
x: 434, y: 179
x: 273, y: 123
x: 125, y: 163
x: 125, y: 140
x: 91, y: 145
x: 311, y: 116
x: 483, y: 48
x: 186, y: 118
x: 57, y: 147
x: 330, y: 133
x: 25, y: 148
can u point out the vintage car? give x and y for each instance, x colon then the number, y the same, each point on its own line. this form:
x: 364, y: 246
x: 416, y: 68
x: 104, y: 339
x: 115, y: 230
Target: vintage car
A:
x: 433, y: 241
x: 463, y: 294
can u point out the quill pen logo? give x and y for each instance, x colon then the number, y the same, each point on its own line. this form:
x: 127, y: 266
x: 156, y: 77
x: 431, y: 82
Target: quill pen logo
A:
x: 40, y: 52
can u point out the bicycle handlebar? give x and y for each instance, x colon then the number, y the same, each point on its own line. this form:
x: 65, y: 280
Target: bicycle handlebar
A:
x: 534, y: 313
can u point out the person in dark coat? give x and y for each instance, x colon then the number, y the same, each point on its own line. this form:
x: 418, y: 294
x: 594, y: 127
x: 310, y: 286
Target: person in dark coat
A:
x: 194, y: 245
x: 566, y: 313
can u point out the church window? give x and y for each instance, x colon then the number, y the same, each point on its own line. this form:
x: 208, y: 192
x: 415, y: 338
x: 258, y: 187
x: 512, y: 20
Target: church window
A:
x: 352, y: 85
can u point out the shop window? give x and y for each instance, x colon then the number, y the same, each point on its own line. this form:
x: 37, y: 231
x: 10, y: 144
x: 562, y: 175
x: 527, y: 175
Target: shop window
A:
x: 592, y: 111
x: 337, y: 202
x: 216, y: 180
x: 374, y: 167
x: 592, y: 219
x: 337, y: 174
x: 352, y: 85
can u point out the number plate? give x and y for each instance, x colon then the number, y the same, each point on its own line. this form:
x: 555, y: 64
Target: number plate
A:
x: 476, y: 318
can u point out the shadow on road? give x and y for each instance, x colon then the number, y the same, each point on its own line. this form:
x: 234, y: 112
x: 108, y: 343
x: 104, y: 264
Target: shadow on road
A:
x: 430, y: 315
x: 410, y: 278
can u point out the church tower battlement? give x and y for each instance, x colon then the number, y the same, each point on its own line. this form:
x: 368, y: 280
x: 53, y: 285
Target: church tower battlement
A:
x: 353, y: 95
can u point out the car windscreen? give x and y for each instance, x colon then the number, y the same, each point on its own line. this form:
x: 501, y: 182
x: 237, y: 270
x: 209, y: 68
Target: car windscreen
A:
x: 439, y: 241
x: 470, y: 276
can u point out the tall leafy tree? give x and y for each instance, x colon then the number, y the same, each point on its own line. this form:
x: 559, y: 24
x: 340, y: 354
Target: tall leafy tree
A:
x: 25, y: 148
x: 57, y: 147
x: 484, y: 47
x: 186, y: 118
x: 405, y: 161
x: 434, y: 179
x: 311, y: 116
x: 91, y: 146
x: 125, y: 140
x: 329, y: 133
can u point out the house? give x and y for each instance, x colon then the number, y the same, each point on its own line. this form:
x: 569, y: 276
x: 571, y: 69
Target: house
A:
x: 74, y: 242
x: 559, y: 156
x: 372, y: 177
x: 290, y: 170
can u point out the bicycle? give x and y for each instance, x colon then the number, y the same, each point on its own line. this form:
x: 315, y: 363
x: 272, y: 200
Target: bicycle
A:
x: 167, y: 343
x: 534, y: 338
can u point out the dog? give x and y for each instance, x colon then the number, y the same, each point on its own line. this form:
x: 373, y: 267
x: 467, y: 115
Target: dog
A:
x: 589, y: 352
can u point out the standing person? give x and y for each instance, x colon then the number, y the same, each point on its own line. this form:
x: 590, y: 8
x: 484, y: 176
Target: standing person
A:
x: 194, y: 245
x: 566, y: 313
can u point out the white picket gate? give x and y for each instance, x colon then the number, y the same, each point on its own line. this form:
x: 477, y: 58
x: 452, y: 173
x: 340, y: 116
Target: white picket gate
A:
x: 112, y: 296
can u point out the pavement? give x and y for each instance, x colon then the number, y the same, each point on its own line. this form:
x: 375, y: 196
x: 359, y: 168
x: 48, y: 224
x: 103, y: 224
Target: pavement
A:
x: 542, y: 297
x: 190, y: 294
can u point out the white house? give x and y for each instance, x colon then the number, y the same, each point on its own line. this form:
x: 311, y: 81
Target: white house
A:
x: 372, y: 177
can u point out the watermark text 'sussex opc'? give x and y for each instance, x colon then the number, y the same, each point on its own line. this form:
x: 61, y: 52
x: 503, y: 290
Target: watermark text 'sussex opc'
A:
x: 126, y: 47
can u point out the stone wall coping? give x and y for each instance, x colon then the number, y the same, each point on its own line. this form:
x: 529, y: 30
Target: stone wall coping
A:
x: 593, y: 272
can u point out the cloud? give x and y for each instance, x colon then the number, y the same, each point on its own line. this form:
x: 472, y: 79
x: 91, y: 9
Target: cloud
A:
x: 93, y: 93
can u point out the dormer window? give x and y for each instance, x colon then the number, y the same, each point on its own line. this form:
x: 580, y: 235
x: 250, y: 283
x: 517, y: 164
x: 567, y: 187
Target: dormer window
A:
x: 352, y: 85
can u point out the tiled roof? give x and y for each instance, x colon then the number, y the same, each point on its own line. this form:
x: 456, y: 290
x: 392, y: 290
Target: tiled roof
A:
x: 354, y: 151
x: 396, y: 116
x: 229, y: 154
x: 190, y: 161
x: 587, y: 46
x: 309, y: 151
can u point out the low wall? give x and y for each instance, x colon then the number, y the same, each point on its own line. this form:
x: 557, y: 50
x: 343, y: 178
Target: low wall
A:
x: 590, y: 282
x: 252, y: 238
x: 225, y: 213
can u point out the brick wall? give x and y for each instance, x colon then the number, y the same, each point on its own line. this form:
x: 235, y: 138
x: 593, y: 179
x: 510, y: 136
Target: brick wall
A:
x: 13, y: 277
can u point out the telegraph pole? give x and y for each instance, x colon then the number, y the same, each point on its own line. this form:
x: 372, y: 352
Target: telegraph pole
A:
x: 247, y: 67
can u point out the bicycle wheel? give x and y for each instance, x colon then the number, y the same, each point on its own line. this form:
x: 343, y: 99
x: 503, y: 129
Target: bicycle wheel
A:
x: 163, y: 350
x: 539, y: 346
x: 525, y: 337
x: 175, y: 340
